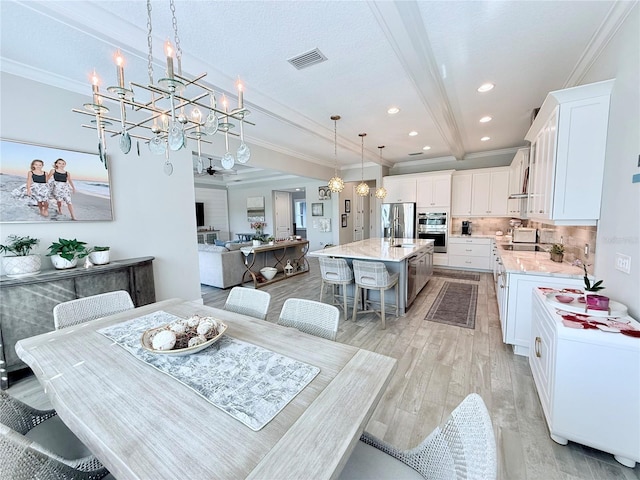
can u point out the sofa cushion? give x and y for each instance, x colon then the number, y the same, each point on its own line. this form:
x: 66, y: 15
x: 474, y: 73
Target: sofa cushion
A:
x: 236, y: 246
x: 211, y: 248
x: 220, y: 243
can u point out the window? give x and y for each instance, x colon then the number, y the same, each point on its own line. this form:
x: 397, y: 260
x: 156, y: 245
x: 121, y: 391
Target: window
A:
x: 301, y: 213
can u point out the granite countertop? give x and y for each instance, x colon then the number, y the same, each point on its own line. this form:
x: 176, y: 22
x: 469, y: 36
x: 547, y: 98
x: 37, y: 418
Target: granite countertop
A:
x: 376, y: 249
x: 475, y: 235
x: 535, y: 263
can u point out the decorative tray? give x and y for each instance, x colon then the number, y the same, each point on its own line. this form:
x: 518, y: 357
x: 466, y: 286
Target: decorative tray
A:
x: 183, y: 335
x: 616, y: 309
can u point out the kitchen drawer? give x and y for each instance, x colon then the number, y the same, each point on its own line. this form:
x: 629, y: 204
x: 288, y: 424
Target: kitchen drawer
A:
x: 464, y: 261
x: 470, y: 249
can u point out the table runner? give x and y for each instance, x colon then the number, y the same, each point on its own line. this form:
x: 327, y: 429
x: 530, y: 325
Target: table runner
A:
x: 248, y: 382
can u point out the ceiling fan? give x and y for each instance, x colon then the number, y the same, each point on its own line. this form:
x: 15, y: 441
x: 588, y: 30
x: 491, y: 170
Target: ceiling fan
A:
x: 211, y: 170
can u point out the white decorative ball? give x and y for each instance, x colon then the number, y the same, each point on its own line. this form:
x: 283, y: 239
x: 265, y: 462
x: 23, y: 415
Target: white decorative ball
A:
x: 193, y: 321
x: 204, y: 327
x: 199, y: 340
x: 164, y: 340
x: 178, y: 327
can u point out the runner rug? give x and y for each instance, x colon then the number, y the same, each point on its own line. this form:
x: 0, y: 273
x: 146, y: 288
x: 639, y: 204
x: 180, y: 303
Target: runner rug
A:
x: 457, y: 274
x: 455, y: 305
x: 246, y: 381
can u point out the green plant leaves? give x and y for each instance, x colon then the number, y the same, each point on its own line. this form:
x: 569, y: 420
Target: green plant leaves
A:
x: 68, y: 249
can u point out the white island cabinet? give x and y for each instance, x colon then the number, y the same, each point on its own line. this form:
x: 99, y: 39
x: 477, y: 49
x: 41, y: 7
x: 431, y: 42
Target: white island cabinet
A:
x: 588, y: 382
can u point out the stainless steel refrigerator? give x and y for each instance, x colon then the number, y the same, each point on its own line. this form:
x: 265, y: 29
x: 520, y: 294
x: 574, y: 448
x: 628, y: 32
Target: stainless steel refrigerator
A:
x: 399, y: 218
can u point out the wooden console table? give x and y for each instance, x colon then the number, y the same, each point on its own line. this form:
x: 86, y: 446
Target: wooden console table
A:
x: 294, y: 251
x: 27, y: 303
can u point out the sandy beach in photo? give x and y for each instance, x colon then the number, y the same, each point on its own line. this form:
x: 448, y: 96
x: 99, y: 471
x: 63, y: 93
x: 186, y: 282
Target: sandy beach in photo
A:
x: 87, y: 207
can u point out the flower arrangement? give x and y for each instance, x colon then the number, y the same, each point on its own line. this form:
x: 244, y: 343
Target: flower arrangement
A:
x: 597, y: 285
x: 259, y: 227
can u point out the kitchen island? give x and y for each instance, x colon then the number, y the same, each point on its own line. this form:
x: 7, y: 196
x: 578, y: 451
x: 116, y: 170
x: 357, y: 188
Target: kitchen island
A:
x: 396, y: 257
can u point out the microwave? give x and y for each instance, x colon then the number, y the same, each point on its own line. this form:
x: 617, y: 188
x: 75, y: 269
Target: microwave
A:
x: 524, y: 235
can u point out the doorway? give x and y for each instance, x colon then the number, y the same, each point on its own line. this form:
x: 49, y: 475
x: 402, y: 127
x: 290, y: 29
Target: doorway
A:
x: 283, y: 219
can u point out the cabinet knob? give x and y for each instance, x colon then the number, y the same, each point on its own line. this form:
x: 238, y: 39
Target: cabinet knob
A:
x: 537, y: 346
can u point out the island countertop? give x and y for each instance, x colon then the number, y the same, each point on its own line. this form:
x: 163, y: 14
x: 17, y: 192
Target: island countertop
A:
x: 376, y: 249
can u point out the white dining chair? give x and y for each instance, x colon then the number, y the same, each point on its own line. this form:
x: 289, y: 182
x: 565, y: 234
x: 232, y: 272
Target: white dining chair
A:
x: 36, y: 444
x: 373, y: 276
x: 336, y: 272
x: 84, y: 309
x: 309, y: 316
x: 463, y: 447
x: 248, y: 301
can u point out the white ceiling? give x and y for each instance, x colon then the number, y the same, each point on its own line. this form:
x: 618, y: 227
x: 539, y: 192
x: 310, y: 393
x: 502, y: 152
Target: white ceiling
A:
x: 427, y: 58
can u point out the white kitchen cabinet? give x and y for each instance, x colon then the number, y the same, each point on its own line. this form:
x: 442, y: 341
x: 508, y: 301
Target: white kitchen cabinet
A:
x: 516, y: 316
x: 518, y: 171
x: 400, y: 190
x: 434, y: 191
x: 587, y: 382
x: 568, y: 145
x: 469, y: 252
x: 489, y: 193
x: 461, y: 194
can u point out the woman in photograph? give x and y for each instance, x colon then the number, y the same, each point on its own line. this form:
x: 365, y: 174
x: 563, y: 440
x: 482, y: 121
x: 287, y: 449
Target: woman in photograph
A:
x: 37, y: 186
x: 62, y: 186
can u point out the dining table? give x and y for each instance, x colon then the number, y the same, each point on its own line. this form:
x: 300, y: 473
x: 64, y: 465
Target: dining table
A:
x: 142, y: 423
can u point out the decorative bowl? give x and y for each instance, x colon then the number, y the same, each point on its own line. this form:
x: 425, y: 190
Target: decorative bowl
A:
x: 564, y: 298
x: 146, y: 341
x: 268, y: 272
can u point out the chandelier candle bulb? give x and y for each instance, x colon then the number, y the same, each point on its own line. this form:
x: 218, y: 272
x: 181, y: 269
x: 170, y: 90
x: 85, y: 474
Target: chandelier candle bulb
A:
x: 95, y: 88
x: 240, y: 95
x: 120, y: 69
x: 169, y: 52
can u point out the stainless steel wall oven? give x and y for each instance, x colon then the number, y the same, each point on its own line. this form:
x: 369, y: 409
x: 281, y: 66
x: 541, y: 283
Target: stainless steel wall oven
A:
x: 433, y: 225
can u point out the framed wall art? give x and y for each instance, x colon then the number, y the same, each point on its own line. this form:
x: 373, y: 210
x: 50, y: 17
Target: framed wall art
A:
x: 344, y: 220
x: 255, y: 209
x: 317, y: 209
x: 347, y: 206
x: 324, y: 193
x: 46, y: 184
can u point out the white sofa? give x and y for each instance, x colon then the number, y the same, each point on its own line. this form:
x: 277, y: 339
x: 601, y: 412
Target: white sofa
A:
x: 220, y: 266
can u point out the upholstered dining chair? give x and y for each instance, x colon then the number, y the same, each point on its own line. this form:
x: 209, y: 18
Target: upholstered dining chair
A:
x: 336, y: 272
x: 309, y: 316
x: 36, y: 444
x: 248, y: 301
x: 463, y: 447
x: 373, y: 276
x: 74, y: 312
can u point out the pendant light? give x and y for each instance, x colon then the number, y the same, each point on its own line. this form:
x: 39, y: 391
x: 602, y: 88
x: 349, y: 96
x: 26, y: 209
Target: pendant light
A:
x: 336, y: 184
x: 362, y: 189
x: 381, y: 192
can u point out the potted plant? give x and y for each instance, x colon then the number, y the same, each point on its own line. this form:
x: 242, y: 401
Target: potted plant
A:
x: 271, y: 240
x: 65, y: 253
x: 99, y: 255
x: 259, y: 236
x: 557, y: 252
x: 21, y: 261
x: 590, y: 289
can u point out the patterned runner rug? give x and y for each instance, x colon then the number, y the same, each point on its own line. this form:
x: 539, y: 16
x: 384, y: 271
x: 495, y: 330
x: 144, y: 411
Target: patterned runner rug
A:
x: 457, y: 274
x: 248, y: 382
x: 455, y: 305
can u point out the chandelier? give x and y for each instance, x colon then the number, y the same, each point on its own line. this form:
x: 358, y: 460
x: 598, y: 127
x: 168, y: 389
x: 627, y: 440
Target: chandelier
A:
x: 381, y: 192
x: 362, y: 189
x: 166, y: 126
x: 336, y: 184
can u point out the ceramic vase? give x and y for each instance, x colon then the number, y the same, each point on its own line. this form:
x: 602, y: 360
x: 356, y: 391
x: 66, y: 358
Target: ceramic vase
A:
x: 101, y: 257
x: 62, y: 263
x: 556, y: 257
x: 256, y: 243
x: 21, y: 265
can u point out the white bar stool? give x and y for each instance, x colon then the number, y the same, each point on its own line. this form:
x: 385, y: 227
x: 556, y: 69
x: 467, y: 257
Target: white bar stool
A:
x: 336, y: 271
x: 373, y: 276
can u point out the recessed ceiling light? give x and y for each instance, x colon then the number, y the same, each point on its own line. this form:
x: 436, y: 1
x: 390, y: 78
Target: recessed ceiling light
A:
x: 393, y: 110
x: 413, y: 133
x: 486, y: 119
x: 484, y: 139
x: 485, y: 87
x: 426, y: 147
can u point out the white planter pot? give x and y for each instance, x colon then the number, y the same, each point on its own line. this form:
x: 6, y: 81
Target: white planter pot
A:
x: 99, y: 258
x: 21, y: 266
x: 256, y: 243
x: 62, y: 263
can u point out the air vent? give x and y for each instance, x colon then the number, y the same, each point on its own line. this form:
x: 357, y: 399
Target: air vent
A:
x: 307, y: 59
x: 416, y: 153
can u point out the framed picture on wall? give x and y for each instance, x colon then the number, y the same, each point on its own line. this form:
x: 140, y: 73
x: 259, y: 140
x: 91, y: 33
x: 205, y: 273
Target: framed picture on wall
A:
x: 347, y: 206
x: 41, y: 184
x: 324, y: 193
x: 344, y: 220
x: 317, y: 209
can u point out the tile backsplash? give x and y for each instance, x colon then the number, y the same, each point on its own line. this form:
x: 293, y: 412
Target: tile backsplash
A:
x: 481, y: 225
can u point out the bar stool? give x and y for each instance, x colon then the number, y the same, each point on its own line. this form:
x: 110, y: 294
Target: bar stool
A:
x: 373, y: 276
x: 336, y: 271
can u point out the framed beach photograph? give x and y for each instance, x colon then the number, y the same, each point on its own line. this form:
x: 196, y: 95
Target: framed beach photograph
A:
x: 344, y: 220
x: 317, y: 209
x: 46, y: 184
x: 347, y: 206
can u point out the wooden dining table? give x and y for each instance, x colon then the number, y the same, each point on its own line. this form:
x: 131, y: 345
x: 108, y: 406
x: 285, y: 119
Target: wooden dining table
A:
x: 144, y: 424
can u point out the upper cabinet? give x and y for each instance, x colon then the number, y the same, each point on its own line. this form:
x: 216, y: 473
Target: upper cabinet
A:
x: 568, y: 144
x: 518, y: 184
x: 461, y: 195
x: 480, y: 193
x: 400, y: 189
x: 434, y: 191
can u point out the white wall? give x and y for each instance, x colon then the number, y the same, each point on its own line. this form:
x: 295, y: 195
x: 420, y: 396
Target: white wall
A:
x: 153, y: 214
x: 618, y: 228
x: 216, y: 211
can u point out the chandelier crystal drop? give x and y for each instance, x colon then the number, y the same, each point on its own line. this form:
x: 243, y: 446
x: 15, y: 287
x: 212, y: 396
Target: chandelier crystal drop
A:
x: 166, y: 126
x: 336, y: 184
x: 381, y: 192
x: 362, y: 189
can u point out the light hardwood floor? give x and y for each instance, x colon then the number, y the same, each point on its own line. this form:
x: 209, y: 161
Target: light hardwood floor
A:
x: 438, y: 365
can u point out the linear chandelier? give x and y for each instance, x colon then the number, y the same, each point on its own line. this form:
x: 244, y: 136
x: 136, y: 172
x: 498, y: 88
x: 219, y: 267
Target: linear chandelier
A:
x: 362, y: 189
x: 167, y: 126
x: 336, y: 184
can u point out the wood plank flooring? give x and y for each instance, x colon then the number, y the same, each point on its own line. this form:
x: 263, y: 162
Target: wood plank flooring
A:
x: 438, y: 365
